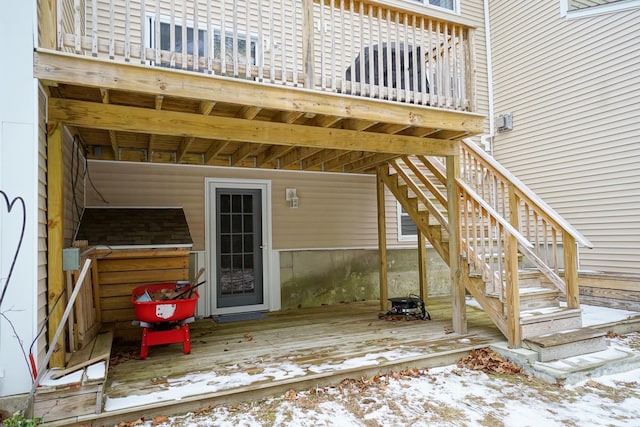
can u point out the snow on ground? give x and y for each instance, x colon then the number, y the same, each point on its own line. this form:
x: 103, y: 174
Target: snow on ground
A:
x: 447, y: 396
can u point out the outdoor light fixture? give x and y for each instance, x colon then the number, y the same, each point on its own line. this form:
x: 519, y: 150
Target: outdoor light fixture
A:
x: 291, y: 196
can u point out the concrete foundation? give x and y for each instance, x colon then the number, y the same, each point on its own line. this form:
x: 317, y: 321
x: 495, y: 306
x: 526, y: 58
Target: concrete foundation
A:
x: 313, y: 278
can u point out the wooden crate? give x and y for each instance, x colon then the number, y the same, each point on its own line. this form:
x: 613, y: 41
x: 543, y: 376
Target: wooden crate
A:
x: 119, y: 272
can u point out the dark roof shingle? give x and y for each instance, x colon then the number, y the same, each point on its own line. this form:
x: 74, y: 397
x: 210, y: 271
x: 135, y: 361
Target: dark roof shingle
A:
x: 134, y: 227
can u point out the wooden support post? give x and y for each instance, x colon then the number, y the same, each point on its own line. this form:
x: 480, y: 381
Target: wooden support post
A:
x: 95, y: 285
x: 382, y: 237
x: 569, y: 249
x: 422, y: 266
x: 458, y: 304
x: 308, y: 50
x: 47, y: 24
x: 512, y: 296
x: 55, y: 238
x: 470, y: 71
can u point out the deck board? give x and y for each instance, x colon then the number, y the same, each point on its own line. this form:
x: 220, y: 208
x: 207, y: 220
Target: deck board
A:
x: 251, y: 360
x: 308, y: 341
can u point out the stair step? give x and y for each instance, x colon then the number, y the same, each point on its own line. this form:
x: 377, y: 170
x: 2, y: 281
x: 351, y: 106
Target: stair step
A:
x: 82, y: 387
x: 536, y: 298
x: 565, y: 344
x: 542, y: 321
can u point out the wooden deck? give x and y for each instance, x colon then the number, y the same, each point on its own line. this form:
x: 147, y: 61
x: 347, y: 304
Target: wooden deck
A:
x: 291, y: 350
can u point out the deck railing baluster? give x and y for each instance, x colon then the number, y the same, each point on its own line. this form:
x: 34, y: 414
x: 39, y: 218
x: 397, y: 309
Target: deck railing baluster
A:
x: 363, y: 48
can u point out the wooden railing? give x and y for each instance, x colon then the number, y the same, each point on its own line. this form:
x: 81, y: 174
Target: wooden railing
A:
x: 501, y: 221
x: 352, y: 47
x: 553, y: 241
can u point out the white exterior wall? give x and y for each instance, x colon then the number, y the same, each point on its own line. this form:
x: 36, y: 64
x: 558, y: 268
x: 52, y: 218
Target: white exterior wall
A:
x: 18, y: 177
x: 573, y: 87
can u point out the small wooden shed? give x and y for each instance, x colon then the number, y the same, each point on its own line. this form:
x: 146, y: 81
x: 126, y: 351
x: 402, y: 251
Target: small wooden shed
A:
x: 133, y: 246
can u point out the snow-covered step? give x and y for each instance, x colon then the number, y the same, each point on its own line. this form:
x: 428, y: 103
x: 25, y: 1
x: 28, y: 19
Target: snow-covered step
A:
x: 568, y: 343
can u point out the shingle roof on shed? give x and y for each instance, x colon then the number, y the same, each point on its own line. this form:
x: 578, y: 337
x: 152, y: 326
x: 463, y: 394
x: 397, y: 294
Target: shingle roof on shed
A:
x: 156, y: 227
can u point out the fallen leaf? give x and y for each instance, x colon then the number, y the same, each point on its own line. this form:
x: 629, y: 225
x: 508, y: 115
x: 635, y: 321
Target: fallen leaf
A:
x: 291, y: 395
x: 159, y: 420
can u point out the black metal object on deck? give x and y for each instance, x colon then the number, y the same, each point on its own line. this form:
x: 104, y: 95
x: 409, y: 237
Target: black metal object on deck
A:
x: 393, y: 63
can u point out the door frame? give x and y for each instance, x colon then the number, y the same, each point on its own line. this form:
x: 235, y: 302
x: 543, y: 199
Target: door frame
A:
x: 270, y: 279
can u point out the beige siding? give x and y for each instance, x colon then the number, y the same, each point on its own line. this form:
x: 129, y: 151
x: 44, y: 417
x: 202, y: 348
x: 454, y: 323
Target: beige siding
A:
x: 40, y: 348
x: 473, y: 10
x: 336, y: 210
x: 73, y: 186
x: 573, y: 86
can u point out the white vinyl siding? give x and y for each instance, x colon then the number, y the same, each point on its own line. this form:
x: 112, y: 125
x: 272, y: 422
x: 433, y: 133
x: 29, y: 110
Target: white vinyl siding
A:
x: 573, y: 88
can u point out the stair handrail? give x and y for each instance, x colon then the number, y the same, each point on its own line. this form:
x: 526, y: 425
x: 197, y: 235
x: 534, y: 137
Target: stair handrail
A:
x: 528, y: 193
x: 493, y: 213
x: 414, y: 187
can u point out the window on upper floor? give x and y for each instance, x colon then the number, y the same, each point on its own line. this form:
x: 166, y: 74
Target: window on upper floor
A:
x: 237, y: 47
x: 407, y: 230
x: 240, y: 48
x: 585, y: 8
x: 449, y: 5
x: 165, y: 39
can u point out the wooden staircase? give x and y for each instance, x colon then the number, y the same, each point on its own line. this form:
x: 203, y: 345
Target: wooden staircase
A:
x: 517, y: 256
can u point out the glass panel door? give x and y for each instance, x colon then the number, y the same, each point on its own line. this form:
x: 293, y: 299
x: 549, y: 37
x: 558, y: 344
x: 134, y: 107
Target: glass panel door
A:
x: 238, y: 247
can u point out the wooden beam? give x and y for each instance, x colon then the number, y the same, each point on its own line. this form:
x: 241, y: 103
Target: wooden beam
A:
x: 159, y: 102
x: 205, y: 107
x: 422, y: 266
x: 144, y: 120
x: 359, y: 125
x: 382, y: 237
x: 183, y: 148
x: 344, y: 159
x: 272, y: 153
x: 389, y: 128
x: 570, y: 258
x: 106, y: 99
x: 458, y: 304
x: 512, y: 294
x: 151, y: 147
x: 320, y: 158
x: 297, y: 155
x: 55, y: 239
x: 248, y: 112
x: 324, y: 121
x: 241, y: 153
x: 369, y: 162
x: 288, y: 116
x: 53, y: 67
x: 47, y: 24
x: 308, y: 37
x: 214, y: 151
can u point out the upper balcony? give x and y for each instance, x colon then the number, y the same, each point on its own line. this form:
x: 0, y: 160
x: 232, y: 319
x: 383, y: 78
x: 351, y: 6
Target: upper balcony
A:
x: 341, y: 46
x: 343, y: 64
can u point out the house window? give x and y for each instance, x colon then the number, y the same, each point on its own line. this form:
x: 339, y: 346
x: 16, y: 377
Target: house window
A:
x: 165, y: 39
x: 407, y: 230
x: 203, y: 45
x: 584, y: 8
x: 241, y: 48
x: 448, y: 5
